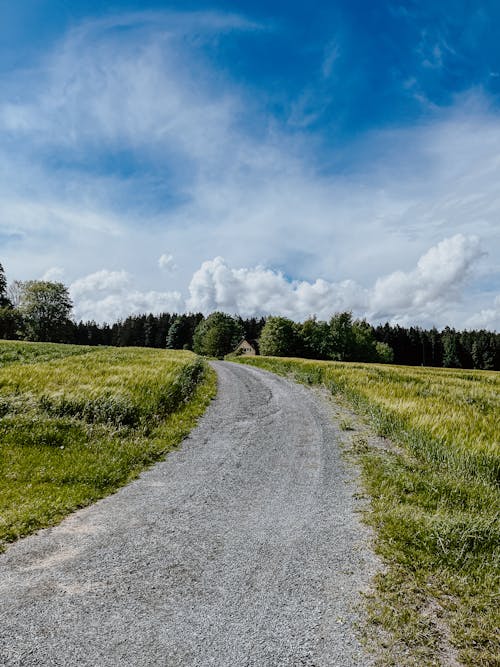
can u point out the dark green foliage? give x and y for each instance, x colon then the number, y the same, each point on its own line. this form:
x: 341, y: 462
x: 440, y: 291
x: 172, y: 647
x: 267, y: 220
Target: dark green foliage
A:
x: 9, y: 320
x: 316, y: 340
x: 343, y: 341
x: 482, y: 350
x: 10, y: 323
x: 181, y: 331
x: 450, y: 349
x: 352, y: 340
x: 45, y: 308
x: 280, y: 337
x: 252, y: 327
x: 4, y: 301
x: 420, y: 347
x: 217, y: 336
x: 365, y: 345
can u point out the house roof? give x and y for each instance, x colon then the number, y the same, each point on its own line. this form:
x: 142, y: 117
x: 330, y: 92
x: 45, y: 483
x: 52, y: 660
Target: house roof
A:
x: 250, y: 341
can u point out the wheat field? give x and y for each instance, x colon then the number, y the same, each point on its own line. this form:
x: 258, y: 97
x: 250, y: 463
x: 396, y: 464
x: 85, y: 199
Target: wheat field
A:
x: 78, y: 422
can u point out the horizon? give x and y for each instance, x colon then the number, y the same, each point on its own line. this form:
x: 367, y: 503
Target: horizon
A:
x: 255, y: 158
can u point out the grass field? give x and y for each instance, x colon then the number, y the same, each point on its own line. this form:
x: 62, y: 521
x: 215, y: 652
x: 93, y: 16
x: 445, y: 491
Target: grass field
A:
x: 435, y: 503
x: 78, y: 422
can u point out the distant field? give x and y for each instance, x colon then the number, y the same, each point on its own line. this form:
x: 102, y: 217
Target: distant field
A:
x: 13, y: 351
x: 435, y: 501
x: 78, y: 422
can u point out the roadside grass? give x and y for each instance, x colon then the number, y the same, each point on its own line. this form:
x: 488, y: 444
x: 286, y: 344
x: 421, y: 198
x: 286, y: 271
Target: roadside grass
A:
x: 74, y: 427
x: 435, y: 504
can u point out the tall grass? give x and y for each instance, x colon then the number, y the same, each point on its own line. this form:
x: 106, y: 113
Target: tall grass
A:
x: 75, y: 423
x: 23, y: 352
x: 435, y: 502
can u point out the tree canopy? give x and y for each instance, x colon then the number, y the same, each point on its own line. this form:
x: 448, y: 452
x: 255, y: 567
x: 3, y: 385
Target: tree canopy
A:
x: 45, y: 307
x: 217, y: 335
x: 4, y: 300
x: 279, y: 338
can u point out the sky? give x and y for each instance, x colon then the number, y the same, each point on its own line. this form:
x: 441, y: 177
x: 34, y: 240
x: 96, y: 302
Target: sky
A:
x: 258, y: 158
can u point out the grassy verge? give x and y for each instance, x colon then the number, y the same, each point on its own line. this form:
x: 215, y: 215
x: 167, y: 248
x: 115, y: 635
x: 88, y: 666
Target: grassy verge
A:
x: 76, y: 424
x: 435, y: 504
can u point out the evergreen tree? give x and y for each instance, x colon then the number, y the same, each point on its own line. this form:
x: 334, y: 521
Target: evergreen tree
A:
x: 450, y: 349
x: 4, y: 300
x: 178, y: 333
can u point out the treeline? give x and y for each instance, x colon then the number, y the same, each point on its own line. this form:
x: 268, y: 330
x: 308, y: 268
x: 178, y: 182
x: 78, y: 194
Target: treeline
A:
x: 345, y: 339
x: 41, y: 311
x: 171, y: 330
x: 342, y: 339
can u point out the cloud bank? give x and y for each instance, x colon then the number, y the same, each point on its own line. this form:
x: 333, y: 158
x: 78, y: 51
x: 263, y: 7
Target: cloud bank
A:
x: 428, y: 293
x: 108, y: 296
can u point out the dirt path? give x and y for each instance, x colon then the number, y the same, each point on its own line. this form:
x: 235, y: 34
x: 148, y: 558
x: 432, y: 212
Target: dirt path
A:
x: 242, y: 548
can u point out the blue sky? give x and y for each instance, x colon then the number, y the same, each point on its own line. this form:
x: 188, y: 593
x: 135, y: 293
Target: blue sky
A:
x: 255, y: 157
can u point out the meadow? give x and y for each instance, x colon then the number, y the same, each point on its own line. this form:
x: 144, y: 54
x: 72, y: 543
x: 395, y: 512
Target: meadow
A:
x: 434, y: 496
x: 76, y: 423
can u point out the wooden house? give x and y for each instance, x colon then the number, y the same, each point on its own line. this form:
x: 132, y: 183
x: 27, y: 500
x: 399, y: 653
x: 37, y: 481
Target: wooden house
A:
x: 247, y: 347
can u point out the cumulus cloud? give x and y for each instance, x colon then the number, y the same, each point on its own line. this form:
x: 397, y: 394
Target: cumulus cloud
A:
x: 230, y: 180
x: 437, y: 279
x: 487, y: 318
x: 261, y: 291
x: 427, y: 293
x: 166, y: 262
x: 107, y: 296
x: 424, y: 292
x: 54, y: 274
x: 101, y: 281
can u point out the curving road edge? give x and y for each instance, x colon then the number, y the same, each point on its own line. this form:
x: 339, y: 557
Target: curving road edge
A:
x: 243, y: 548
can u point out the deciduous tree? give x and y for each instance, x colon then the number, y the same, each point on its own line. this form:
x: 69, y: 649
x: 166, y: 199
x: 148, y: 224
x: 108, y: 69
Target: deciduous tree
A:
x: 45, y: 308
x: 218, y: 335
x: 280, y: 338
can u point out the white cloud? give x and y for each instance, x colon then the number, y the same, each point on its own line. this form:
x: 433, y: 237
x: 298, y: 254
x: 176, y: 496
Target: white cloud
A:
x: 429, y: 293
x: 166, y: 262
x: 261, y: 291
x: 107, y: 296
x: 54, y: 274
x: 101, y: 281
x: 487, y: 318
x: 437, y: 279
x: 230, y: 181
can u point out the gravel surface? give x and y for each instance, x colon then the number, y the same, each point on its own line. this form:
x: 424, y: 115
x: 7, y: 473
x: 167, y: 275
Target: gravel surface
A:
x: 242, y: 548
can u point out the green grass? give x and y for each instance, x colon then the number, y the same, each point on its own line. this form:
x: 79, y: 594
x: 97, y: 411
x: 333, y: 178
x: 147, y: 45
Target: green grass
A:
x: 78, y: 423
x: 435, y: 503
x: 15, y: 352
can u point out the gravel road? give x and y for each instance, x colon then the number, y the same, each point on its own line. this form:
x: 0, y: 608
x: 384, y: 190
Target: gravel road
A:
x: 243, y: 548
